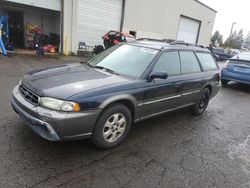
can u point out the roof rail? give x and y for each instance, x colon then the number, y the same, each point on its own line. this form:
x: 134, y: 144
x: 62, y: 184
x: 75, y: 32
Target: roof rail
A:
x: 172, y: 42
x: 196, y: 45
x: 178, y: 42
x: 157, y: 40
x: 187, y: 44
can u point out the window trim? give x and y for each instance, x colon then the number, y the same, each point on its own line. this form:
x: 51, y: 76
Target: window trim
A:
x: 149, y: 69
x: 201, y: 69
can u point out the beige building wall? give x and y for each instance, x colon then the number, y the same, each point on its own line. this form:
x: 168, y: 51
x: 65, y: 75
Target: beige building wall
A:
x: 69, y: 26
x: 160, y: 19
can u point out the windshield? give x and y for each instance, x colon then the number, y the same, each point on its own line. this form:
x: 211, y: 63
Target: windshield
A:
x: 125, y: 59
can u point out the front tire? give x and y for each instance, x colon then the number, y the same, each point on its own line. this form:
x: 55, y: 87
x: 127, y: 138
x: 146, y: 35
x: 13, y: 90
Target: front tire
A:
x: 202, y: 103
x: 112, y: 126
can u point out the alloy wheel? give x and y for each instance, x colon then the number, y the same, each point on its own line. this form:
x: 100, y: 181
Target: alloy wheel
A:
x: 114, y: 127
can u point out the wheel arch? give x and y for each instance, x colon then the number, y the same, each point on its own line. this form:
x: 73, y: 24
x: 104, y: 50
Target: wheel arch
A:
x: 128, y: 100
x: 209, y: 86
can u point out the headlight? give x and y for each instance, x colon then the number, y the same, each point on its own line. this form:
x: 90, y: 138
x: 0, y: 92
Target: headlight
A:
x: 57, y: 104
x: 70, y: 107
x: 20, y: 81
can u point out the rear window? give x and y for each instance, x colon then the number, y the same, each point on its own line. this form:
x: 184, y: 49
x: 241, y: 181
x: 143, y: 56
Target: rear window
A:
x: 207, y: 61
x: 243, y: 57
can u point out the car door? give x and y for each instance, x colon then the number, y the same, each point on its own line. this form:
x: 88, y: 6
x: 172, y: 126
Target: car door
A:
x: 192, y: 77
x: 162, y: 95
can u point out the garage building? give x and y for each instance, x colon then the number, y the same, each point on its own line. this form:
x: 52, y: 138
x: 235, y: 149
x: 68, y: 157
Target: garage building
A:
x: 187, y: 20
x: 84, y: 21
x: 31, y: 19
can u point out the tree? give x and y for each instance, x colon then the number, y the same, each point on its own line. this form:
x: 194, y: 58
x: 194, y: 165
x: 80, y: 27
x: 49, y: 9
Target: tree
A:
x: 230, y: 42
x: 247, y: 41
x: 217, y: 39
x: 239, y: 39
x: 235, y: 40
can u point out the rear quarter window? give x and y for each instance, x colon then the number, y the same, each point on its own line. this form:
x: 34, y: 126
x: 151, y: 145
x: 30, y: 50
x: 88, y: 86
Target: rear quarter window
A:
x: 207, y: 61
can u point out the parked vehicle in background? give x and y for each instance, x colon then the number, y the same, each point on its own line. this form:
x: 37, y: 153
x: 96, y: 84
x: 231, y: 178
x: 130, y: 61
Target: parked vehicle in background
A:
x: 221, y: 54
x: 237, y: 69
x: 216, y: 57
x: 114, y: 37
x: 103, y: 97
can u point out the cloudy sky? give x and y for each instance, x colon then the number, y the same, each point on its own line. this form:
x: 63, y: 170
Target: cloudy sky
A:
x: 228, y: 12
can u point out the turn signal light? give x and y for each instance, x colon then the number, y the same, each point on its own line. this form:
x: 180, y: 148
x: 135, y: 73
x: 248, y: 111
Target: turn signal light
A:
x: 76, y: 107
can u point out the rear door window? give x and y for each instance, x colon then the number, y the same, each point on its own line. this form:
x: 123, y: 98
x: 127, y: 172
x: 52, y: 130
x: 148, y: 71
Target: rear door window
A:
x: 189, y: 63
x: 207, y: 61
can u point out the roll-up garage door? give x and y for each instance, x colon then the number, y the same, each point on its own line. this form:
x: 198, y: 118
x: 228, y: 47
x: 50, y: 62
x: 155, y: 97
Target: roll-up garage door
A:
x: 96, y: 17
x: 47, y: 4
x: 188, y: 30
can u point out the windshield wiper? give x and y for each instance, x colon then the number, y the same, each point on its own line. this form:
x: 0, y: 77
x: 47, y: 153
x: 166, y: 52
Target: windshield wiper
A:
x: 106, y: 69
x: 87, y: 63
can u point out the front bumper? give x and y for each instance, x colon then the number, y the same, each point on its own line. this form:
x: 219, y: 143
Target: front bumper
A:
x: 232, y: 76
x: 54, y: 125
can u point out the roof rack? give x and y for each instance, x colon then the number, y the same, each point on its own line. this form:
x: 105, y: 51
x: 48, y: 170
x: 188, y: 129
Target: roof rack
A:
x: 157, y: 40
x: 172, y: 42
x: 184, y: 43
x: 175, y: 42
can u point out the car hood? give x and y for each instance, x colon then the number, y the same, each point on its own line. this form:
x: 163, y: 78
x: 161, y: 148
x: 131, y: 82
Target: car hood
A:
x: 65, y: 81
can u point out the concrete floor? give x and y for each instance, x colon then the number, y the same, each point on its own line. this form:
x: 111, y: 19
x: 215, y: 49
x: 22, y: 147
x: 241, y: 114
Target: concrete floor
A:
x: 173, y: 150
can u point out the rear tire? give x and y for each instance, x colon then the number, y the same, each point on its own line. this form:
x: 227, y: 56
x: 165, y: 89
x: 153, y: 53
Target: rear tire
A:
x: 112, y: 126
x: 224, y: 82
x: 202, y: 103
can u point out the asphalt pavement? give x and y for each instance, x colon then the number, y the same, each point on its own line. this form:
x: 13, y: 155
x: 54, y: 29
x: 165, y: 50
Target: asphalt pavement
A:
x: 173, y: 150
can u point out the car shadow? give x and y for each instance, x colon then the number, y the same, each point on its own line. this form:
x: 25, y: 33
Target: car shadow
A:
x: 138, y: 131
x: 238, y: 87
x: 158, y: 134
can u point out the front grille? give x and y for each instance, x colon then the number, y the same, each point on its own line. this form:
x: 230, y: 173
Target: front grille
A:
x: 28, y: 95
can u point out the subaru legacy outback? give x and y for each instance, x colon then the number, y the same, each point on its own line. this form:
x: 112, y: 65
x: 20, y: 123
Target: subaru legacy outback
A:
x: 102, y: 97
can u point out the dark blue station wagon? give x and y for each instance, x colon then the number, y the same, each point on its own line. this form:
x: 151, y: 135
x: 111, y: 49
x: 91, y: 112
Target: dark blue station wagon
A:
x: 102, y: 97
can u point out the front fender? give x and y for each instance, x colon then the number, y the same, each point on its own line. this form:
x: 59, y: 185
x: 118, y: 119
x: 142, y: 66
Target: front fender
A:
x: 122, y: 97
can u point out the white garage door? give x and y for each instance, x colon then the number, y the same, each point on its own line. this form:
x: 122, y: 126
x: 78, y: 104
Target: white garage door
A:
x: 96, y: 17
x: 47, y: 4
x: 188, y: 30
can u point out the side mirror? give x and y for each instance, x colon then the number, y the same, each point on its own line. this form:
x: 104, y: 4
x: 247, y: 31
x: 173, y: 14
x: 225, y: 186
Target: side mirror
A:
x: 157, y: 74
